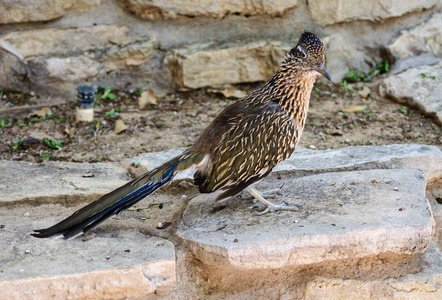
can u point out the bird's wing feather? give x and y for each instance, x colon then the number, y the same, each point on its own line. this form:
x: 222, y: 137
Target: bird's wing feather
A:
x: 253, y: 146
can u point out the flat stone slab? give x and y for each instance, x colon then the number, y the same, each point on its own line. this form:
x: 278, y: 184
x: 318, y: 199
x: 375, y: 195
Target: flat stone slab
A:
x: 111, y: 262
x: 306, y: 161
x: 423, y: 157
x: 343, y: 215
x: 57, y: 182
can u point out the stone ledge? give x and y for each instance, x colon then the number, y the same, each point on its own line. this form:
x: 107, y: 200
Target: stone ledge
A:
x: 19, y: 11
x: 101, y: 265
x: 306, y: 161
x: 424, y: 283
x: 327, y: 12
x: 57, y: 182
x: 405, y: 156
x: 47, y: 42
x: 343, y: 215
x: 204, y: 66
x: 167, y: 9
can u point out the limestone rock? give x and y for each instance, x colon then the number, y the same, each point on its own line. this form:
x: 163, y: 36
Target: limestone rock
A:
x: 109, y: 265
x: 60, y: 59
x: 421, y: 87
x: 23, y: 182
x: 423, y: 157
x: 168, y: 9
x: 425, y: 38
x: 343, y: 215
x: 65, y: 42
x: 327, y: 12
x: 306, y: 162
x: 423, y: 284
x: 343, y: 55
x: 202, y: 66
x: 19, y: 11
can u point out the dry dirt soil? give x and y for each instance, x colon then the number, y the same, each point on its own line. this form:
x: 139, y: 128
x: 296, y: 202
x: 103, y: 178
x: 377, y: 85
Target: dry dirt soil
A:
x: 35, y: 129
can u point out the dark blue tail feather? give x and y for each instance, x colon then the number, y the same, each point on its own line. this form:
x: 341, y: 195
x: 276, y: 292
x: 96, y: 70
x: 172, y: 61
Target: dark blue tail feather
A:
x: 80, y: 222
x: 122, y: 204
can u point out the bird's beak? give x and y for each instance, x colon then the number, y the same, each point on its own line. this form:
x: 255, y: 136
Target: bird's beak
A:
x: 323, y: 71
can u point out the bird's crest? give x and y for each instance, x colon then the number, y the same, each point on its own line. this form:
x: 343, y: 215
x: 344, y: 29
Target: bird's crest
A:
x: 309, y: 45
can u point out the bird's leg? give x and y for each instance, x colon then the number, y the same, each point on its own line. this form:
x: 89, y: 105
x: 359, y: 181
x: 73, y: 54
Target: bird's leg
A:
x: 269, y: 206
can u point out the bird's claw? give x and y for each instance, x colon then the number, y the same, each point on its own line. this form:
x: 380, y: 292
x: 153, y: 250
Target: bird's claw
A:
x: 275, y: 207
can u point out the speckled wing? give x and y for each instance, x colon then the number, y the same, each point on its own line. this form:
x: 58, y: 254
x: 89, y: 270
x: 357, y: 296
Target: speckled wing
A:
x: 253, y: 146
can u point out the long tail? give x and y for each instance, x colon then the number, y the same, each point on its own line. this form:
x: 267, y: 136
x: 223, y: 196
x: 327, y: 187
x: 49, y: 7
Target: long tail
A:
x: 118, y: 200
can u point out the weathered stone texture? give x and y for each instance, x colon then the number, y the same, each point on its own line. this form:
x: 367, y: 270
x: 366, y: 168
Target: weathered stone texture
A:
x: 425, y: 283
x: 306, y: 161
x: 169, y: 9
x: 425, y: 38
x: 326, y: 12
x: 19, y: 11
x: 109, y: 266
x: 200, y: 66
x: 60, y: 59
x: 43, y: 181
x: 63, y: 42
x: 339, y: 218
x: 421, y: 87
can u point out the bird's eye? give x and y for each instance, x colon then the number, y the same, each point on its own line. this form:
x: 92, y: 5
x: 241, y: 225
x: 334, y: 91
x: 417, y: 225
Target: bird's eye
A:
x: 301, y: 51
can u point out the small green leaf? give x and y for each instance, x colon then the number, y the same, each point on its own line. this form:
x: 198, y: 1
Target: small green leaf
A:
x: 17, y: 145
x: 107, y: 94
x: 383, y: 67
x: 52, y: 143
x: 423, y: 75
x: 112, y: 112
x: 403, y: 109
x: 45, y: 155
x: 352, y: 75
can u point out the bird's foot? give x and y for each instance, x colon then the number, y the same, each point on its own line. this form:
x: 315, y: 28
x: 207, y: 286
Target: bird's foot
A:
x: 271, y: 194
x: 268, y: 206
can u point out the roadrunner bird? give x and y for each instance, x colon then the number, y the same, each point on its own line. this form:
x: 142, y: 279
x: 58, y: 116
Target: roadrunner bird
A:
x: 240, y: 147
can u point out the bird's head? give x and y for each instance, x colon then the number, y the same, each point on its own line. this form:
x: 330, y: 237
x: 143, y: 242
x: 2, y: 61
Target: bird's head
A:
x: 309, y: 55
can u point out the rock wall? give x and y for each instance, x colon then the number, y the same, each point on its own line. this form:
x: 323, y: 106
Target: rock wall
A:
x: 52, y: 46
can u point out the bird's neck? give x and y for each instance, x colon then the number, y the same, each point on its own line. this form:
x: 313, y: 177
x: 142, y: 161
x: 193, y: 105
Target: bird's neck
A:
x: 291, y: 88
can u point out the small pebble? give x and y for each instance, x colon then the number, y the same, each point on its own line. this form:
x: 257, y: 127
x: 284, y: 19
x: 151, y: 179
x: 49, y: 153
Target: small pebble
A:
x: 312, y: 147
x: 396, y: 189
